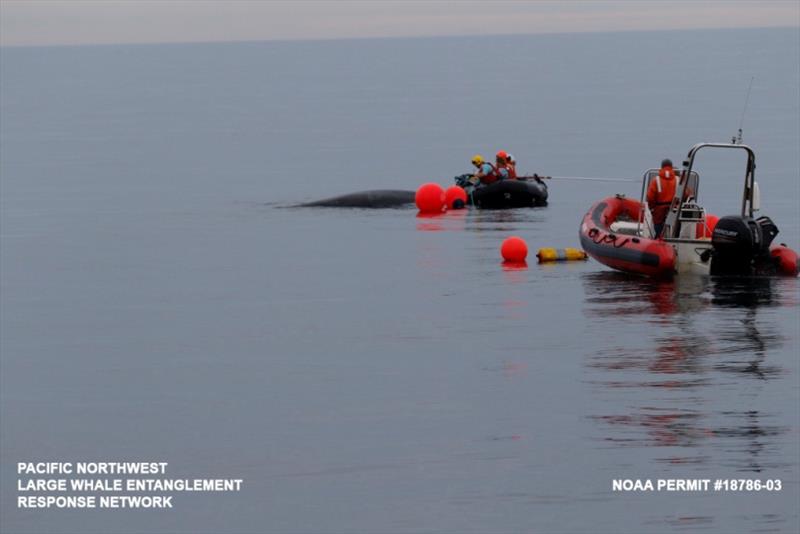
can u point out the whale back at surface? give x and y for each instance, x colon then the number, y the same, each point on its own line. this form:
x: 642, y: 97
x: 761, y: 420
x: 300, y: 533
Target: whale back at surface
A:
x: 377, y: 198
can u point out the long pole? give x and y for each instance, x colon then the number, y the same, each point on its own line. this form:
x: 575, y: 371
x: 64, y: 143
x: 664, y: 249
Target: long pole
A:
x: 738, y: 140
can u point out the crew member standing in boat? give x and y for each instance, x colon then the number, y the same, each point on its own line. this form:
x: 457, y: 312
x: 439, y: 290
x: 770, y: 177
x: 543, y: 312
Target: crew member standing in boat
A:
x: 660, y: 193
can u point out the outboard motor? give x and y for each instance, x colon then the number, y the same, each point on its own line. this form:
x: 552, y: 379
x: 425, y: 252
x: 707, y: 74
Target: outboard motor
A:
x: 768, y: 231
x: 741, y: 245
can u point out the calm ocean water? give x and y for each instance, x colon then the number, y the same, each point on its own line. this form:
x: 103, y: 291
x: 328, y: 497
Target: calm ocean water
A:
x: 372, y: 371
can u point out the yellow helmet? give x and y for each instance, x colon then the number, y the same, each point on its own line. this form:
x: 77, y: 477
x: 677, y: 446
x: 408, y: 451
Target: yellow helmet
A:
x: 477, y: 159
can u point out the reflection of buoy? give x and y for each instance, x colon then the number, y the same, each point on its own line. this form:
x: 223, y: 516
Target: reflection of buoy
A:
x: 429, y: 198
x: 560, y: 254
x: 707, y: 229
x: 455, y: 197
x: 514, y: 249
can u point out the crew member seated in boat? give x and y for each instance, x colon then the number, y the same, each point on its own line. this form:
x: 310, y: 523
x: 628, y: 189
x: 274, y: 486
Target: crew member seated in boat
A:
x: 486, y: 172
x: 501, y: 164
x: 660, y: 193
x: 511, y: 162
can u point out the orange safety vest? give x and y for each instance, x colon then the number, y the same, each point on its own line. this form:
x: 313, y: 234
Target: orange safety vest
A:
x: 512, y: 170
x: 660, y: 193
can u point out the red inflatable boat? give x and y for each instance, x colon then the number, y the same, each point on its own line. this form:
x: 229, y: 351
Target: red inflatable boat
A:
x: 619, y: 232
x: 624, y: 251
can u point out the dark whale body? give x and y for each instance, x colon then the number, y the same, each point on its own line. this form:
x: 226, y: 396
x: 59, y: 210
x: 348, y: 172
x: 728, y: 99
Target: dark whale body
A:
x: 377, y: 198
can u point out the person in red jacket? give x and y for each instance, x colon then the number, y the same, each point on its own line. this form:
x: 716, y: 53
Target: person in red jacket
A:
x: 660, y: 193
x: 485, y: 174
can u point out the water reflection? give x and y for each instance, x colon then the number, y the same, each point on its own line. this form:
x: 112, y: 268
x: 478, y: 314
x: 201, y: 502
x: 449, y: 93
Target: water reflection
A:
x: 667, y: 309
x: 749, y: 293
x: 683, y: 363
x: 743, y: 340
x: 515, y: 274
x: 482, y: 221
x: 663, y: 428
x: 618, y: 295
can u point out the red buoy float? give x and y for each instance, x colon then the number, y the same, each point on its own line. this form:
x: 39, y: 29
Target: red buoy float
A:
x: 707, y: 229
x: 455, y: 197
x: 786, y: 259
x: 514, y: 250
x: 430, y: 198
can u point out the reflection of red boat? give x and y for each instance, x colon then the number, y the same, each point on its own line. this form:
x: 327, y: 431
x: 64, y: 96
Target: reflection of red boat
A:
x: 619, y: 232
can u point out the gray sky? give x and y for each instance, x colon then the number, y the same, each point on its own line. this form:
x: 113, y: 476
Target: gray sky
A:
x: 47, y: 22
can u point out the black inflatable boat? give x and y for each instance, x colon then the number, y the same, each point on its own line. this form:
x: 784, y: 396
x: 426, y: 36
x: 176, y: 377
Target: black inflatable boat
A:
x: 523, y: 192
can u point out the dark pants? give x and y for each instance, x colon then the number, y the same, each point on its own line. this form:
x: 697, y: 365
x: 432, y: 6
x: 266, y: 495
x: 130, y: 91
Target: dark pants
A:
x: 658, y: 227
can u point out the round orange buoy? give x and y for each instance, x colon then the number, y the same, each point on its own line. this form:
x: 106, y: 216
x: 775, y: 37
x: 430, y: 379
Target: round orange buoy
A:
x: 455, y: 197
x: 430, y: 198
x: 514, y: 249
x: 707, y: 229
x: 786, y: 259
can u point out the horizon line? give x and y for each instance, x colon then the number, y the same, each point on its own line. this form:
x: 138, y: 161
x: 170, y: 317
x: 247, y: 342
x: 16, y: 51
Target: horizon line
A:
x: 401, y: 37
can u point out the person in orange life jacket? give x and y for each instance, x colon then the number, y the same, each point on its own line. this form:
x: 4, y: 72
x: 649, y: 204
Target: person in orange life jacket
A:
x: 660, y: 193
x: 485, y: 174
x: 501, y: 164
x: 511, y: 164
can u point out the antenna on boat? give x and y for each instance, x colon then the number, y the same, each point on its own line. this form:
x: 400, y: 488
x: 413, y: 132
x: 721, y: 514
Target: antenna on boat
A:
x: 737, y: 139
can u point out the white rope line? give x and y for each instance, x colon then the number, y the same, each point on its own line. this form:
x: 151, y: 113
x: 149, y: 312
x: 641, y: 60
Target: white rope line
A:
x: 593, y: 179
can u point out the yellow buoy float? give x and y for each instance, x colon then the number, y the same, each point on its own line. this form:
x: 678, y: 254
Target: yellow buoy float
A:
x: 560, y: 254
